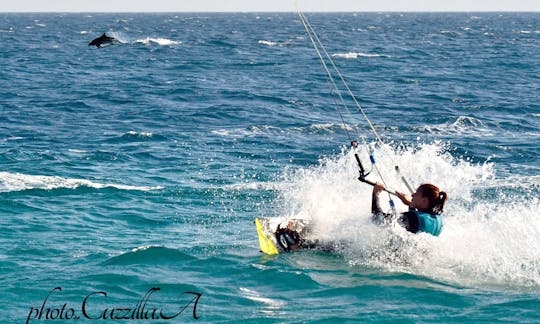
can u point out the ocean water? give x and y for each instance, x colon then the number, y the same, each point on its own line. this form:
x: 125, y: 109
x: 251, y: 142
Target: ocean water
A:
x: 142, y: 165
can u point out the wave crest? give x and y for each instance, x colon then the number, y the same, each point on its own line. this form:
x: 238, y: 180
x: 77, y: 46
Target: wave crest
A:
x: 19, y: 182
x: 159, y: 41
x: 463, y: 124
x: 355, y: 55
x: 150, y: 254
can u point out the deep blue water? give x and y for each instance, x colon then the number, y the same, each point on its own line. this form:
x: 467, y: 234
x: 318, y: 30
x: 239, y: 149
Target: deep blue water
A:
x: 144, y: 164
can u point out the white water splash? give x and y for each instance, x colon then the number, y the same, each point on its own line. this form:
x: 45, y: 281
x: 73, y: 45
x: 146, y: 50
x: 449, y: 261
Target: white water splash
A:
x: 490, y: 234
x: 119, y: 37
x: 19, y: 182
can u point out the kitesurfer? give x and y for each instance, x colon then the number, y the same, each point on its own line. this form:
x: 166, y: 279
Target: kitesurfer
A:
x: 425, y: 208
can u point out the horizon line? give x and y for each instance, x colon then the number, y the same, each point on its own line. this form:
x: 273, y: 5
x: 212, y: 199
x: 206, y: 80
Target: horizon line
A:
x: 277, y: 11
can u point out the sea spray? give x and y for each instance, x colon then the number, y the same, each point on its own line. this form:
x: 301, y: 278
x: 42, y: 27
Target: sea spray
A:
x: 486, y: 240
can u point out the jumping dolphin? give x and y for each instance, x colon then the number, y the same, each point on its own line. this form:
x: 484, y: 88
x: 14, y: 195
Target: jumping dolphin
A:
x: 102, y: 41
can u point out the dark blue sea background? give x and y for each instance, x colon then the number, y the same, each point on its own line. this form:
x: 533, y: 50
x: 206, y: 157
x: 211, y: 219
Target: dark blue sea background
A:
x: 144, y: 164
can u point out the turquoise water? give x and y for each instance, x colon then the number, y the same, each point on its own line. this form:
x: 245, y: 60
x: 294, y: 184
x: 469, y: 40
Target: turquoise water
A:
x: 143, y: 165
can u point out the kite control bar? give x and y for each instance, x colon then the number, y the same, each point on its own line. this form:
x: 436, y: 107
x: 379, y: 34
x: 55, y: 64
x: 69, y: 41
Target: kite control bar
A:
x: 362, y: 171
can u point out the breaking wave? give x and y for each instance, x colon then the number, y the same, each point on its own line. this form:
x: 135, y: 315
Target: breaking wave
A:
x: 19, y: 182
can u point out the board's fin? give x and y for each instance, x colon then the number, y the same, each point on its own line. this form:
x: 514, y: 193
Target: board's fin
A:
x: 266, y: 244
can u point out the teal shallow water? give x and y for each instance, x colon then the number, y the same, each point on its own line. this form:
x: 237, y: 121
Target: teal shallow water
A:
x: 143, y: 165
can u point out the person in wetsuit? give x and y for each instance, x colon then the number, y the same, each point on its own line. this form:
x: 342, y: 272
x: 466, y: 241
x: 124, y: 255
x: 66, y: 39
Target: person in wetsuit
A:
x: 425, y: 208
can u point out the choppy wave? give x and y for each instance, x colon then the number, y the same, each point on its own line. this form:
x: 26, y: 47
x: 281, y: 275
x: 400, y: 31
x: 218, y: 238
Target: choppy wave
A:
x: 273, y: 43
x: 142, y: 134
x: 269, y: 43
x: 355, y: 55
x: 149, y: 254
x: 245, y: 132
x: 159, y: 41
x: 462, y: 125
x: 450, y: 32
x: 259, y: 298
x: 222, y: 119
x: 264, y: 130
x: 257, y: 185
x: 490, y: 233
x: 19, y: 182
x: 134, y: 136
x: 328, y: 128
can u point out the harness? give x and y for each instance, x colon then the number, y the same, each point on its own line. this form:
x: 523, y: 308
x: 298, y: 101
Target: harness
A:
x: 429, y: 223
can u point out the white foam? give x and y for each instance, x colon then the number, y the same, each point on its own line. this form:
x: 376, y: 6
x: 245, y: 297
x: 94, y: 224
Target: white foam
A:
x: 490, y: 236
x: 328, y: 127
x: 141, y: 134
x: 19, y: 182
x: 277, y: 43
x: 256, y: 185
x: 462, y: 125
x: 144, y: 248
x: 77, y: 151
x: 253, y: 131
x: 355, y: 55
x: 159, y: 41
x: 269, y: 43
x: 245, y: 132
x: 257, y: 297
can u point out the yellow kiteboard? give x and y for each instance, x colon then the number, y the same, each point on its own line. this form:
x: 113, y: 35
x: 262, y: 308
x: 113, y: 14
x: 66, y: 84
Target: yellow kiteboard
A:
x: 266, y: 244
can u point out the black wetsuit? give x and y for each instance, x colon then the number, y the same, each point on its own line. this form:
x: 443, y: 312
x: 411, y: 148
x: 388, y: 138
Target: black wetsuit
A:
x: 408, y: 219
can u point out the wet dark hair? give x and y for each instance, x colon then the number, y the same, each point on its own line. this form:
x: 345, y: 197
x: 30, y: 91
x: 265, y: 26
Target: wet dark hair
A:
x: 435, y: 196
